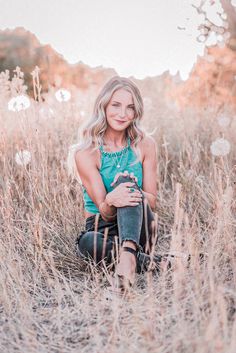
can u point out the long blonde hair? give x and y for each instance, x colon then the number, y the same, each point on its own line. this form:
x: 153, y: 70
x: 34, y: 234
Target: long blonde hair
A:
x: 92, y: 131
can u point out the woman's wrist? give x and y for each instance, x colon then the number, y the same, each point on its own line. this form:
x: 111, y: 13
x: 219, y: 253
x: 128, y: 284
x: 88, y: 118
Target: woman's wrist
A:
x: 105, y: 214
x: 108, y: 200
x: 107, y: 209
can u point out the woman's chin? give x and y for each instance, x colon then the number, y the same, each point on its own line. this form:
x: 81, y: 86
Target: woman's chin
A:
x: 118, y: 128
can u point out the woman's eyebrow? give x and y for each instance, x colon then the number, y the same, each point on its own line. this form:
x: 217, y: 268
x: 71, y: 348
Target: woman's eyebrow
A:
x: 119, y: 103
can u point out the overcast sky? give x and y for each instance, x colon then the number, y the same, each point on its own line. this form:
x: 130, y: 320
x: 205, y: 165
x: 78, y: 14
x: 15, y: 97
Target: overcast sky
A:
x: 135, y: 37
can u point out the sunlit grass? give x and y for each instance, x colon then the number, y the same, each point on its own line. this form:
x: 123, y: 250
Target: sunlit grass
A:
x: 53, y: 302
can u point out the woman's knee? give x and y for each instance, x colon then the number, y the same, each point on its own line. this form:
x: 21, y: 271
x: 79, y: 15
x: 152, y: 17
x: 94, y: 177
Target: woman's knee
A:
x: 86, y: 242
x: 125, y: 179
x: 94, y: 245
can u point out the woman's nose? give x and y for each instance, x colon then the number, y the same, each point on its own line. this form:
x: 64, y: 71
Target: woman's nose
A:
x: 122, y: 112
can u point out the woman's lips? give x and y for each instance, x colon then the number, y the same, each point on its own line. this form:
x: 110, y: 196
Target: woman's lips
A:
x: 121, y: 121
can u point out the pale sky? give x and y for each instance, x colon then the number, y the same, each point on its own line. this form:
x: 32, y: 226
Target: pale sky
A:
x: 135, y: 37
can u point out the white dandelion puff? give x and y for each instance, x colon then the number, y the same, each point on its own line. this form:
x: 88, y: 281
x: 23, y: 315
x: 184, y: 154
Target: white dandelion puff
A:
x: 220, y: 147
x: 23, y: 157
x: 62, y: 95
x: 82, y: 113
x: 233, y: 2
x: 18, y: 103
x: 223, y: 121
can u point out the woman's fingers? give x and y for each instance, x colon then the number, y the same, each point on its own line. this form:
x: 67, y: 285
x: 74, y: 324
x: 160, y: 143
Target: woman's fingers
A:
x: 137, y: 198
x: 135, y: 193
x: 116, y: 177
x: 133, y: 176
x: 125, y: 173
x: 128, y: 184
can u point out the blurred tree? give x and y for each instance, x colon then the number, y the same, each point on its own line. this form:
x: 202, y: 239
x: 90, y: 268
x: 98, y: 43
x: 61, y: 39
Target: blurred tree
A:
x: 212, y: 81
x: 230, y: 11
x: 19, y: 47
x: 222, y: 24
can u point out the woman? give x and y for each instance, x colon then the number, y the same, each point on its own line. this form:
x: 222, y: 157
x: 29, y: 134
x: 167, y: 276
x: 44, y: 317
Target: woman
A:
x: 117, y: 164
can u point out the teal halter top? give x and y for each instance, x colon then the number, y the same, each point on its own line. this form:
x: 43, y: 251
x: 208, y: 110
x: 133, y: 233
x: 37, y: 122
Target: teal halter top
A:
x: 109, y: 162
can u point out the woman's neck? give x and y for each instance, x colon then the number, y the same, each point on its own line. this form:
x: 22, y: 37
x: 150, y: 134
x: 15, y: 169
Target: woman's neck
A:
x: 115, y: 140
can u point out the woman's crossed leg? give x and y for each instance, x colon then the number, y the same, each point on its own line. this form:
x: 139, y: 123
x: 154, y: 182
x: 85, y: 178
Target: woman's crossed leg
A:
x: 134, y: 224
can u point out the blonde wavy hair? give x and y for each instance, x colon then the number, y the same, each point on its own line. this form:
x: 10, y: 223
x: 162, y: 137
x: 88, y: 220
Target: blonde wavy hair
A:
x: 92, y: 131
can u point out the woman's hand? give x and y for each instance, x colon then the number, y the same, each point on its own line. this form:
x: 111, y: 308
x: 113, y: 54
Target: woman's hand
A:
x: 125, y: 173
x: 121, y: 196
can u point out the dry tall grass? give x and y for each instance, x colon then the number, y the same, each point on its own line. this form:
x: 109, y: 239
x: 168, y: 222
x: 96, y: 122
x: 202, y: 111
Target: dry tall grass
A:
x: 52, y: 302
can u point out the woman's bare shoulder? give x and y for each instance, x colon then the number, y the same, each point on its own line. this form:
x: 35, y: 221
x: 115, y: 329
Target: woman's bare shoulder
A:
x: 145, y: 144
x: 89, y: 154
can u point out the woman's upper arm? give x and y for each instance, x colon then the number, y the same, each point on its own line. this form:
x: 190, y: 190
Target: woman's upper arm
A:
x: 150, y: 166
x: 90, y: 176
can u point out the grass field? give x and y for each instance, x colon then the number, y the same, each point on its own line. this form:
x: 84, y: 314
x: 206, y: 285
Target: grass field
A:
x: 50, y: 301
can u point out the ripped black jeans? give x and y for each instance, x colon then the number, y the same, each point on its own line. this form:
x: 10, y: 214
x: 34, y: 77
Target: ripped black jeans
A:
x: 135, y: 223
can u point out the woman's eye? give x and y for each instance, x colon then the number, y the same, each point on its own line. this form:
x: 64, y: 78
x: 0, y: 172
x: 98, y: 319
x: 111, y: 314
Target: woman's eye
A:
x: 116, y: 105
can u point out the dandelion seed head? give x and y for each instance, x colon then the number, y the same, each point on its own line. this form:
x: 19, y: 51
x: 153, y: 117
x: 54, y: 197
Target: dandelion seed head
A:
x: 62, y: 95
x: 18, y: 103
x: 220, y: 147
x: 223, y: 121
x: 233, y: 2
x: 23, y: 158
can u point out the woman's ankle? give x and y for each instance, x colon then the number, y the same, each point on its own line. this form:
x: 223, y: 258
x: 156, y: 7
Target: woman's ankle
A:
x: 129, y: 243
x: 127, y: 263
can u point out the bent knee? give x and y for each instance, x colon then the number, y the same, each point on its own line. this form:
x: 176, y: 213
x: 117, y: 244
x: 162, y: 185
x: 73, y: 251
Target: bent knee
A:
x: 91, y: 245
x: 125, y: 179
x: 86, y: 243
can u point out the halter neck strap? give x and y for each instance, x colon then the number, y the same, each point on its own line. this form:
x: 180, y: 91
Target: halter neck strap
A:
x: 117, y: 152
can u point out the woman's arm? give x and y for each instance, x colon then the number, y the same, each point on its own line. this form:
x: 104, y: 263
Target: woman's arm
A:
x: 93, y: 183
x: 107, y: 210
x: 150, y: 171
x: 151, y: 200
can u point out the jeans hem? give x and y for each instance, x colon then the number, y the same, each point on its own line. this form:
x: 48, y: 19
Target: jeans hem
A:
x: 139, y: 247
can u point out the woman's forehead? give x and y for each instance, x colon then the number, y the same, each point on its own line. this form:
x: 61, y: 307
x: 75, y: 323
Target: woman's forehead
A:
x: 122, y: 94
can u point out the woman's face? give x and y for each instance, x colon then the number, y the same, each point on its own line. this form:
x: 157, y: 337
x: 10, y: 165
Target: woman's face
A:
x: 120, y: 111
